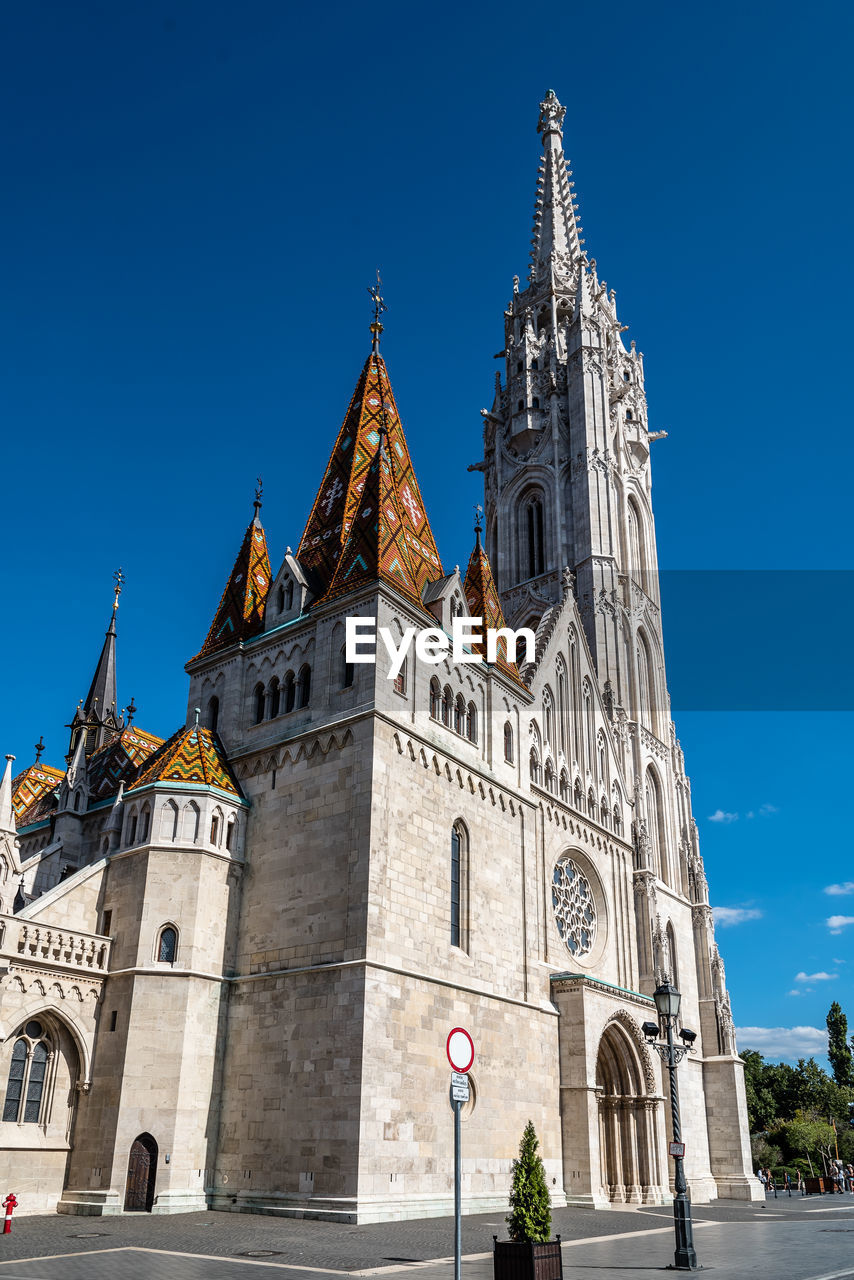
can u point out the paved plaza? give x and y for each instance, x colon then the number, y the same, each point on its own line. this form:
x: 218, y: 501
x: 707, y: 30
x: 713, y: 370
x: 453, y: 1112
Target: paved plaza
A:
x: 784, y: 1239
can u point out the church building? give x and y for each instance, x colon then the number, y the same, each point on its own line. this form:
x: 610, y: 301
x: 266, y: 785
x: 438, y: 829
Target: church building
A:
x: 230, y: 958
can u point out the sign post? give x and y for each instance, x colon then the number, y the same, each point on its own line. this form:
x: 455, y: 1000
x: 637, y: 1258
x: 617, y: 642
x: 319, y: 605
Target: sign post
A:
x: 460, y: 1050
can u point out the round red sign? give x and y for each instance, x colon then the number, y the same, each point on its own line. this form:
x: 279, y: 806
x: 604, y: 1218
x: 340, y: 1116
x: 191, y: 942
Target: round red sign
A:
x: 460, y: 1049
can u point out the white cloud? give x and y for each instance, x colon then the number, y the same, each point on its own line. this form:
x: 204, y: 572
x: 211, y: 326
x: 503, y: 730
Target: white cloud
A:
x: 815, y: 977
x: 838, y: 890
x: 765, y: 810
x: 837, y: 923
x: 783, y: 1042
x: 726, y: 916
x: 794, y: 992
x: 720, y: 816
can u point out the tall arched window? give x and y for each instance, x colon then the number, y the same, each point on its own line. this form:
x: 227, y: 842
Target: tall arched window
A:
x: 167, y: 945
x: 508, y: 742
x: 190, y: 823
x: 646, y: 685
x: 132, y: 827
x: 447, y: 706
x: 548, y: 717
x: 216, y: 826
x: 534, y: 537
x: 348, y: 670
x: 459, y: 714
x: 561, y: 704
x: 604, y: 812
x: 144, y: 823
x: 27, y: 1071
x: 290, y: 691
x: 259, y: 703
x: 471, y: 722
x: 435, y: 699
x: 550, y: 777
x: 601, y: 757
x: 304, y: 686
x: 588, y: 724
x: 212, y: 714
x: 671, y: 950
x: 399, y: 684
x: 275, y: 696
x: 637, y: 557
x: 656, y: 823
x: 578, y: 796
x: 459, y: 885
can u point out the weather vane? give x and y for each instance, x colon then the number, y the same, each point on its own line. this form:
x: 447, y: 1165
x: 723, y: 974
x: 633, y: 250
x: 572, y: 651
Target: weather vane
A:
x: 379, y: 308
x: 119, y: 580
x: 478, y: 517
x: 39, y: 747
x: 258, y: 495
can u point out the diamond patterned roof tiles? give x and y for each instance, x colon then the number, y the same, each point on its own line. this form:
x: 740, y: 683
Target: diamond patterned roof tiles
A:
x: 193, y: 755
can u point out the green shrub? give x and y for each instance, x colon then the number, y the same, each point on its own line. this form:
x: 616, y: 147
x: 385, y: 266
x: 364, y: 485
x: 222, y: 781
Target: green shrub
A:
x: 530, y: 1216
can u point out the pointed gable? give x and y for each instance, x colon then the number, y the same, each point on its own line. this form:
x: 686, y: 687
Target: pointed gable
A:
x: 193, y: 755
x: 483, y: 602
x: 30, y: 786
x: 376, y: 546
x: 339, y: 497
x: 241, y: 609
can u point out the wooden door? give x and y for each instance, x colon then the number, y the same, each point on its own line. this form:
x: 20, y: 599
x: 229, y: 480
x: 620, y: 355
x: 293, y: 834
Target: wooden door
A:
x: 142, y: 1171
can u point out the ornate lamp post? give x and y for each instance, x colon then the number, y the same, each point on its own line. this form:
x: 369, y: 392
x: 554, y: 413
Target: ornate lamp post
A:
x: 667, y: 1002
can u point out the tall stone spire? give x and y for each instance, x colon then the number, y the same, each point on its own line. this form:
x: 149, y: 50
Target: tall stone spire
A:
x: 97, y: 718
x: 556, y: 245
x: 102, y: 697
x: 241, y: 609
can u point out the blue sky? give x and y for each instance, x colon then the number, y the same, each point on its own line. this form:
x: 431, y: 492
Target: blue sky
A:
x: 195, y: 199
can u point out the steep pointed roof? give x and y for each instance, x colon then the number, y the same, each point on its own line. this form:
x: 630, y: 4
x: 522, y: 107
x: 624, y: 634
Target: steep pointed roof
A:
x: 102, y: 695
x: 31, y: 786
x: 556, y: 242
x: 117, y: 762
x: 483, y: 602
x: 339, y: 496
x: 192, y: 755
x: 376, y: 546
x: 241, y: 609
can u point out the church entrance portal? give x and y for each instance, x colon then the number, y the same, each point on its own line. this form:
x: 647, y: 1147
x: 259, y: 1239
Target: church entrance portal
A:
x: 142, y: 1171
x: 628, y: 1122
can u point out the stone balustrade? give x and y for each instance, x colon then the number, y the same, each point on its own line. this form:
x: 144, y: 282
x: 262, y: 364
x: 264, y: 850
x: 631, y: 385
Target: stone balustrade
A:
x: 29, y: 942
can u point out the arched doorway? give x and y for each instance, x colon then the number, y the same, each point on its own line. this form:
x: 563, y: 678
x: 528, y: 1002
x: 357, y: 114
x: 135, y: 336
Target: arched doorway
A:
x: 142, y: 1172
x: 628, y: 1122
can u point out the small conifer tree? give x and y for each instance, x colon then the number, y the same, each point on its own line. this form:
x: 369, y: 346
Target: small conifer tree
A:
x: 530, y: 1216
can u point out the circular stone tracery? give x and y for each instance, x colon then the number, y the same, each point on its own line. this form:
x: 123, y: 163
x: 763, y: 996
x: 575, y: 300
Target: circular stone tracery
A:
x: 575, y: 913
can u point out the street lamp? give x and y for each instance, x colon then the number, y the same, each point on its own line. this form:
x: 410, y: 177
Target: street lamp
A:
x: 667, y: 1001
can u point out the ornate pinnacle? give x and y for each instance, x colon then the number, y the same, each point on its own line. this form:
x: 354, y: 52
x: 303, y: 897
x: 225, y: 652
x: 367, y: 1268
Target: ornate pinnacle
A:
x: 551, y: 115
x: 119, y: 580
x: 379, y: 308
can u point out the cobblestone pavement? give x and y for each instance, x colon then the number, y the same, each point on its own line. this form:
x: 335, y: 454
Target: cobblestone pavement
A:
x: 787, y: 1239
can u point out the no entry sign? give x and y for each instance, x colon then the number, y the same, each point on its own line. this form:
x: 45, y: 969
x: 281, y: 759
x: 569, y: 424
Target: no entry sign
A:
x: 460, y: 1050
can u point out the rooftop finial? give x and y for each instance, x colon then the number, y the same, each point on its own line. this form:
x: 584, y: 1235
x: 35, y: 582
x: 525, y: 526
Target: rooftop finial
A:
x: 197, y: 711
x: 119, y: 580
x: 131, y: 710
x: 379, y: 308
x: 551, y: 116
x: 478, y: 521
x: 39, y: 748
x: 259, y: 493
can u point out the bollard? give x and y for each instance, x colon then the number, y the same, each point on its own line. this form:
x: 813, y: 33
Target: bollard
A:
x: 9, y: 1204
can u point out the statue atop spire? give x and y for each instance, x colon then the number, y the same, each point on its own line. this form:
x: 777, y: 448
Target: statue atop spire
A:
x: 551, y: 116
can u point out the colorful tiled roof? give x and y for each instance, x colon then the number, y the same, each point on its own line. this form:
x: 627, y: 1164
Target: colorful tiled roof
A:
x: 119, y: 761
x: 32, y: 785
x: 483, y: 602
x: 241, y: 609
x: 376, y: 546
x: 339, y: 497
x: 192, y: 755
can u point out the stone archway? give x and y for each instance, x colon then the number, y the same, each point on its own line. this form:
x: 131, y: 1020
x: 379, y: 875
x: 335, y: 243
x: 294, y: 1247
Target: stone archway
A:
x: 628, y: 1122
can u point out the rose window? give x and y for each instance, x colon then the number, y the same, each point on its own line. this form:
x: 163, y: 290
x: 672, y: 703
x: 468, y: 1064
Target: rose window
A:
x: 575, y: 913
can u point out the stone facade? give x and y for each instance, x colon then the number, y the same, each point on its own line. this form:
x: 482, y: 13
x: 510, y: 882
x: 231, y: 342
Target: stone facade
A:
x: 240, y: 952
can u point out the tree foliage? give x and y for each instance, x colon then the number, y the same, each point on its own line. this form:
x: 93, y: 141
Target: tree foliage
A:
x: 530, y: 1216
x: 838, y: 1049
